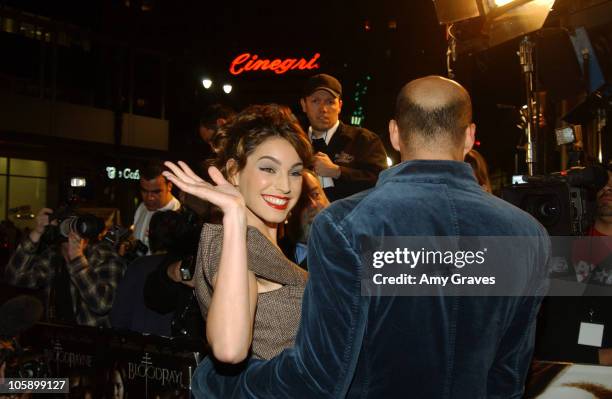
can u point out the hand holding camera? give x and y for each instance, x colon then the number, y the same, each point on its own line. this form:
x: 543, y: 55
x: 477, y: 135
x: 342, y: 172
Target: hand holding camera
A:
x: 42, y: 221
x: 67, y: 227
x: 75, y: 248
x: 180, y: 272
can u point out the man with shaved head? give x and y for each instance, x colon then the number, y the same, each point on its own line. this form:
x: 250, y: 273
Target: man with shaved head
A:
x: 361, y: 339
x: 433, y: 120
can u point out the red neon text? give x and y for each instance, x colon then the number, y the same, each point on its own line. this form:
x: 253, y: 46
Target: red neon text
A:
x: 246, y: 62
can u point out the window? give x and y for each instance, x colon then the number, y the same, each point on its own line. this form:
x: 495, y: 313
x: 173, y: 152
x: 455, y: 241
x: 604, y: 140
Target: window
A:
x: 23, y: 190
x: 28, y: 167
x: 2, y: 197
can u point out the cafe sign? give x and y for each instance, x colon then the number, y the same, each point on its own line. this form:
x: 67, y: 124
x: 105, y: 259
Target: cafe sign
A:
x: 114, y: 173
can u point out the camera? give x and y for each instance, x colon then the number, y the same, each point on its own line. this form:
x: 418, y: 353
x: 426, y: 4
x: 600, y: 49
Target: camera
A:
x: 564, y: 202
x: 16, y: 316
x: 68, y: 220
x: 87, y: 226
x: 64, y: 220
x: 123, y: 241
x: 187, y: 268
x: 21, y: 363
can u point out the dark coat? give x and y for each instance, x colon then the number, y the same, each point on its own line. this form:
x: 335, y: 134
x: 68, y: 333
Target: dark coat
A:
x: 129, y: 310
x: 361, y: 156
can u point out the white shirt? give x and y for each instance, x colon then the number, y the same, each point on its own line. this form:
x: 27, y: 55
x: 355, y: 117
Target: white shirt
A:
x: 325, y: 181
x: 142, y: 218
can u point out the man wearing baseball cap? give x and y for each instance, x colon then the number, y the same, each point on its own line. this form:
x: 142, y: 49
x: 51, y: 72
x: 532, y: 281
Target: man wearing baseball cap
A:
x: 347, y: 159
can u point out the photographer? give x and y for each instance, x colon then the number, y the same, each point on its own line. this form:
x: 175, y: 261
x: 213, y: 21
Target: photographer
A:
x: 169, y: 289
x: 129, y: 311
x: 156, y: 193
x: 77, y: 273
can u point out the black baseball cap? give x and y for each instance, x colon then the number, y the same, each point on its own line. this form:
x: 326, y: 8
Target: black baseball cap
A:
x: 325, y: 82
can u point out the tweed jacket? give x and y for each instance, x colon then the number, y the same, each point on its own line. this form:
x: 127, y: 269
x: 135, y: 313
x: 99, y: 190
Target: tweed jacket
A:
x: 278, y: 312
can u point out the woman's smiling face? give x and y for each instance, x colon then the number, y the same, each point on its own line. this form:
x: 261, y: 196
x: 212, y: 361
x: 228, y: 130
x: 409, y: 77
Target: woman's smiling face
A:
x: 271, y: 181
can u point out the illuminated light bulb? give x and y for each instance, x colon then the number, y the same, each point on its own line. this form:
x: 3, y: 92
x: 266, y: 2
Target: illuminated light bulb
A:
x: 227, y: 88
x: 207, y: 83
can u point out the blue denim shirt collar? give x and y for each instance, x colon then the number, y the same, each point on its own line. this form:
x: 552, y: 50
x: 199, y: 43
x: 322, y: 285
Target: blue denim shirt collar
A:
x: 454, y: 173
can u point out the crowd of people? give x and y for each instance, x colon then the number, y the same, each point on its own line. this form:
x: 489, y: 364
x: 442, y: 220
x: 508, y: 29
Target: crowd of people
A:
x: 260, y: 256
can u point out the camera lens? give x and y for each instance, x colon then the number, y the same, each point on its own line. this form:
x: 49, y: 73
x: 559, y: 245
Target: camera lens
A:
x: 549, y: 209
x: 86, y: 226
x: 544, y: 207
x: 67, y: 225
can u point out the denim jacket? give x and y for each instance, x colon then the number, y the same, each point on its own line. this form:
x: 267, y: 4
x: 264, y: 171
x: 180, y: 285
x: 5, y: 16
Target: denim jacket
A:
x: 354, y: 346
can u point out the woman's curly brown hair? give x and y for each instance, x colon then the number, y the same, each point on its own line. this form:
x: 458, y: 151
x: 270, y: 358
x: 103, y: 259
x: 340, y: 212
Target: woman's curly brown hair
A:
x: 239, y: 137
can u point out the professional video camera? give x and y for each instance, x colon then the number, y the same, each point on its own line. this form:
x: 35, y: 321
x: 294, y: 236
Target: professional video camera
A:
x: 123, y: 241
x: 564, y: 202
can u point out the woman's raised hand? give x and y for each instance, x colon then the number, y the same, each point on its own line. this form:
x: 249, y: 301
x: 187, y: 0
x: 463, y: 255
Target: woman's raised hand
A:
x: 222, y: 194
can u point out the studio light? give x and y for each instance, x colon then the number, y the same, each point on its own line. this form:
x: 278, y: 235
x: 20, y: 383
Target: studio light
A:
x: 494, y: 21
x: 227, y: 88
x: 207, y: 83
x: 516, y: 18
x: 476, y: 25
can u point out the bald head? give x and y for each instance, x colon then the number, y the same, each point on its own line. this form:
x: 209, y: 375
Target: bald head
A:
x: 434, y: 92
x: 433, y: 112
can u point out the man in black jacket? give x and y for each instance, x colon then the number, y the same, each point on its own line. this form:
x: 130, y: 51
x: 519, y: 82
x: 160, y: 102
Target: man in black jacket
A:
x: 166, y: 289
x: 348, y: 159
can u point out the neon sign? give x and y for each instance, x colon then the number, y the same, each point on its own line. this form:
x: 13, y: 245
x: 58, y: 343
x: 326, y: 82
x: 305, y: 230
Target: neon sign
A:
x: 126, y: 174
x: 246, y: 62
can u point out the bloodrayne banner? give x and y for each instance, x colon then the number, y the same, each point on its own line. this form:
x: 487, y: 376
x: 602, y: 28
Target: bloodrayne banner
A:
x: 108, y: 364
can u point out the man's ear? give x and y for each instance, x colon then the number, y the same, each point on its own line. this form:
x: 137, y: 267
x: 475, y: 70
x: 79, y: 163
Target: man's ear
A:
x: 231, y: 166
x: 303, y: 104
x: 394, y: 135
x: 340, y: 104
x: 470, y: 137
x: 169, y: 185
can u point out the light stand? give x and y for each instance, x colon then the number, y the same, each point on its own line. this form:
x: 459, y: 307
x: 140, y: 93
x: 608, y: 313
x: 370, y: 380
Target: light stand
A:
x: 531, y: 127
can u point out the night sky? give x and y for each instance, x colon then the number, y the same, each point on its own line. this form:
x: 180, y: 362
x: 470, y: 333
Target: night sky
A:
x: 382, y: 44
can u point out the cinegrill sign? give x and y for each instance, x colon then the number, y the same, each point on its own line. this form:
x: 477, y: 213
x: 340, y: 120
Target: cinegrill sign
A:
x: 247, y: 62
